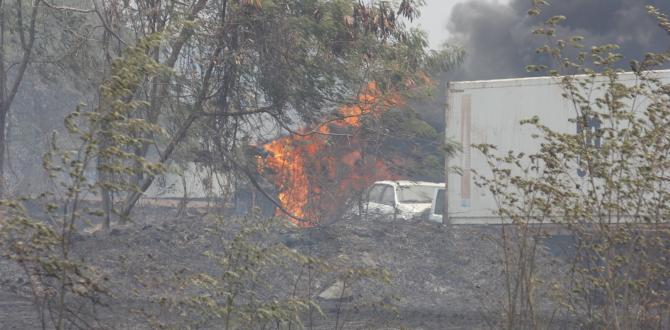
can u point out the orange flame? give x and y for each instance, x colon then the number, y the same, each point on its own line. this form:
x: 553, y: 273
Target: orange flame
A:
x: 311, y: 181
x: 288, y: 159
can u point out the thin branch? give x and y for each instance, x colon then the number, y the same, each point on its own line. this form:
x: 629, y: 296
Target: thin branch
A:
x: 132, y: 199
x: 66, y: 8
x: 316, y: 129
x: 25, y: 59
x: 185, y: 34
x: 235, y: 114
x: 19, y: 23
x: 257, y: 185
x: 106, y: 25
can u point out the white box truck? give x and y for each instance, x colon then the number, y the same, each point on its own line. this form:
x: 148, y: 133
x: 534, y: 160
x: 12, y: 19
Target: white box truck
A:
x: 489, y: 112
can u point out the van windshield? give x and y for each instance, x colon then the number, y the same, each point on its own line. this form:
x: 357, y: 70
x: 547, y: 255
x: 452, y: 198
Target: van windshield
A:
x: 415, y: 194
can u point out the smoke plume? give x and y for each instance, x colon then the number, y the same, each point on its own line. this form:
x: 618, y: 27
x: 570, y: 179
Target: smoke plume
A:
x: 499, y: 44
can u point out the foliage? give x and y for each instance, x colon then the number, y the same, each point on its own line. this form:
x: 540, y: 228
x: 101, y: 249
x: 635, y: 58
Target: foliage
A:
x: 408, y: 138
x: 235, y: 297
x: 304, y: 62
x: 64, y: 289
x: 606, y: 184
x: 250, y: 69
x: 214, y: 76
x: 115, y: 132
x: 240, y: 291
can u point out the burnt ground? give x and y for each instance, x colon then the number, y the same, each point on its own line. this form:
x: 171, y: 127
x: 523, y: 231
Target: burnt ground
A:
x: 440, y: 279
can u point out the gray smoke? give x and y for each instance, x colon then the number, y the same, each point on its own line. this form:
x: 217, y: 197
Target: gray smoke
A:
x: 498, y: 41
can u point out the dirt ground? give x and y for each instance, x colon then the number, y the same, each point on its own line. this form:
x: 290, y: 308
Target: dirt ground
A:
x: 440, y: 279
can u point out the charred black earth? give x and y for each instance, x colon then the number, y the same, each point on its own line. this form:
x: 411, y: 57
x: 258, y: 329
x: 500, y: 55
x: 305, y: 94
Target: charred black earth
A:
x: 438, y: 278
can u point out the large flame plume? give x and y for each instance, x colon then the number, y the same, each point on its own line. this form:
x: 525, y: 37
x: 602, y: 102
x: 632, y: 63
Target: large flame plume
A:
x: 315, y: 174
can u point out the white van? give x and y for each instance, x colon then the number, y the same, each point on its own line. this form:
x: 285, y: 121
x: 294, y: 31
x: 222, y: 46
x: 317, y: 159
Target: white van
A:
x: 402, y: 200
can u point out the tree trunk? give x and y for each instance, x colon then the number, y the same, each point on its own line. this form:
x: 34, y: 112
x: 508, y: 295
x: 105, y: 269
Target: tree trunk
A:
x: 4, y: 106
x: 3, y: 119
x: 106, y: 207
x: 104, y: 177
x: 8, y: 90
x: 159, y: 87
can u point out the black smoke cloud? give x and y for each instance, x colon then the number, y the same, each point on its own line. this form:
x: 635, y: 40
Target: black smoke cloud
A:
x: 499, y: 43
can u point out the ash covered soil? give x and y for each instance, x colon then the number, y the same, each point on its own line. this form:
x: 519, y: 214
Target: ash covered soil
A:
x: 439, y: 279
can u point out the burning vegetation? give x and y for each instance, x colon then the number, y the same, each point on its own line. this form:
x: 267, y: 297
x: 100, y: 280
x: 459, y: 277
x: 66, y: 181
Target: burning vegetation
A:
x: 316, y: 171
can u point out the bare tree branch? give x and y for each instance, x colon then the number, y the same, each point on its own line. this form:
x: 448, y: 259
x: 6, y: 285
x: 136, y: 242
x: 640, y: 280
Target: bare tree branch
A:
x: 132, y: 199
x: 105, y: 24
x: 315, y: 130
x: 255, y: 183
x: 19, y: 20
x: 27, y: 54
x: 66, y: 8
x: 236, y: 113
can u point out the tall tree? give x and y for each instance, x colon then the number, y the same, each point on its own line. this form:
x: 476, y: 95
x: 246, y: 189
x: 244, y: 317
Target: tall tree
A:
x: 17, y: 22
x: 40, y: 44
x: 124, y: 25
x: 247, y: 66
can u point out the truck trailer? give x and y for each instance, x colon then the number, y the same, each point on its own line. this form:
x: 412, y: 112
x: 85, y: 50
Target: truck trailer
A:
x: 490, y: 112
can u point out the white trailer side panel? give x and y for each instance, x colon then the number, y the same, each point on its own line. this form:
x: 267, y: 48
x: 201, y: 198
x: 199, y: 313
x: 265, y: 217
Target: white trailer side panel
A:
x: 489, y: 112
x: 194, y: 181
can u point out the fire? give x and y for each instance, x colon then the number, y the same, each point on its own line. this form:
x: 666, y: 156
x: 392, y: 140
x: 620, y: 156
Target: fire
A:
x: 366, y: 104
x: 312, y: 182
x: 288, y: 158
